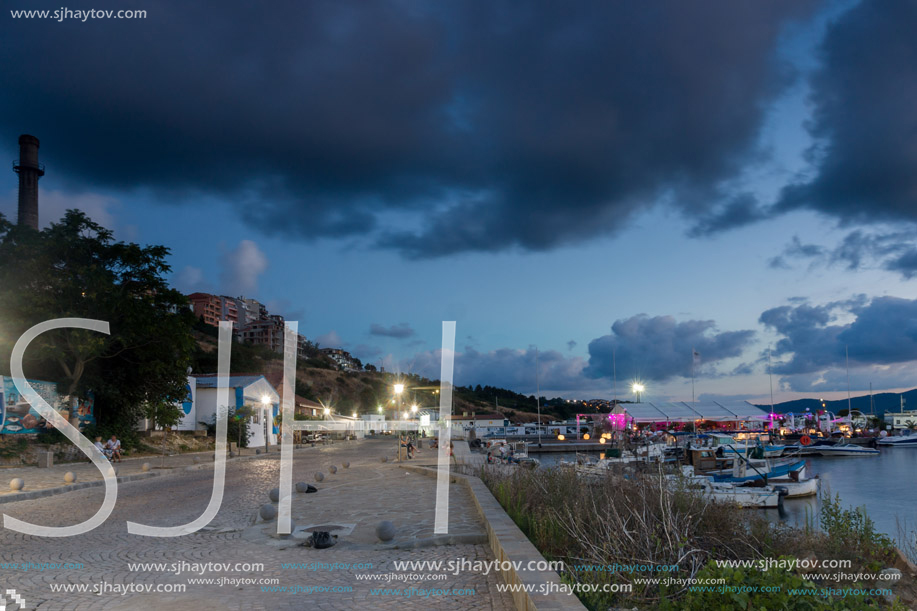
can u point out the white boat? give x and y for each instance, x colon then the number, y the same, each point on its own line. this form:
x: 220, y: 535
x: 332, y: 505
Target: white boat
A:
x: 764, y: 497
x: 838, y: 449
x: 797, y: 488
x: 907, y: 438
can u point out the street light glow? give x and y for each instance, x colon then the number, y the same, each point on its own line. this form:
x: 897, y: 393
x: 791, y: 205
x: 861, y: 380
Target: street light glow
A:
x: 638, y: 387
x: 414, y: 408
x: 327, y: 410
x: 265, y: 400
x: 380, y: 409
x: 398, y: 388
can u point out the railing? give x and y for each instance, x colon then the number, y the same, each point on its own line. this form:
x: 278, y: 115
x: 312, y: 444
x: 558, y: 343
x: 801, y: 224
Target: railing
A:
x: 17, y: 164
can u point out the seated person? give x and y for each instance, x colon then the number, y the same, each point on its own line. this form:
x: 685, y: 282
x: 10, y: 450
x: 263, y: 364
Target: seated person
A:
x: 102, y: 448
x: 114, y: 446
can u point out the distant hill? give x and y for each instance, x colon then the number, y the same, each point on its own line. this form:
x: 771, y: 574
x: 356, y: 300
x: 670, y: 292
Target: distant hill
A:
x: 882, y: 402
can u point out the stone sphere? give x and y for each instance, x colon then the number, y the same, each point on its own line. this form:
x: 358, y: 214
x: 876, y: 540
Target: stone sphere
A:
x: 319, y: 476
x: 301, y: 486
x: 333, y: 469
x: 69, y: 477
x: 385, y: 531
x: 274, y: 494
x: 383, y: 459
x: 17, y: 483
x: 267, y: 512
x: 346, y: 465
x: 145, y: 467
x: 257, y: 451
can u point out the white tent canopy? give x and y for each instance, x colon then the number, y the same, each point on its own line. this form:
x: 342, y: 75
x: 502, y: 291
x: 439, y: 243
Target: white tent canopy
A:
x: 726, y: 411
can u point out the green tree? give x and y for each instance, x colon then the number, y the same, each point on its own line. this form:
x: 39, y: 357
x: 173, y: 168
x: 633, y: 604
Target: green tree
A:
x: 164, y: 415
x: 75, y: 268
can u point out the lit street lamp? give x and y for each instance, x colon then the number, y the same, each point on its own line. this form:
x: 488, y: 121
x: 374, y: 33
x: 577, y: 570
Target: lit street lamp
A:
x: 265, y: 404
x: 638, y: 389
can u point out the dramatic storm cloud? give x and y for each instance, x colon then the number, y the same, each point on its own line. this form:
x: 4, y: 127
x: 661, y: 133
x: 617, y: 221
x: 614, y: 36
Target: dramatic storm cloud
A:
x: 814, y: 338
x: 511, y: 368
x: 430, y: 128
x: 865, y: 118
x: 660, y: 348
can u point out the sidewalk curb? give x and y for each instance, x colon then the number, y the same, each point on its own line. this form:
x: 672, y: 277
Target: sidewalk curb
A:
x: 509, y: 543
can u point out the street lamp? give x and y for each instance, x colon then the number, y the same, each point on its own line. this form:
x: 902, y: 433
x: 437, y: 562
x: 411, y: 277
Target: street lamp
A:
x: 327, y: 411
x: 380, y: 409
x: 398, y: 388
x: 414, y: 408
x: 265, y: 403
x: 638, y: 389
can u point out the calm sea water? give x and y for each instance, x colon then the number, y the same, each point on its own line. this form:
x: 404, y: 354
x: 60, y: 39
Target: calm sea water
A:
x: 886, y: 485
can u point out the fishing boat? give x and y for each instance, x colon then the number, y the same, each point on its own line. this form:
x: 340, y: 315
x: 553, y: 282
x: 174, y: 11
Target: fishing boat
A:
x: 796, y: 486
x: 762, y: 497
x: 738, y: 469
x: 907, y: 438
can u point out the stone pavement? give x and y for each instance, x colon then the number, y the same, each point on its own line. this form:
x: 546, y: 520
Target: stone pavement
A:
x: 52, y: 480
x: 259, y: 565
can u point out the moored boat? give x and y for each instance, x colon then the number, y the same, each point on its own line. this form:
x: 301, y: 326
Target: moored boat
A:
x: 906, y: 439
x: 837, y: 449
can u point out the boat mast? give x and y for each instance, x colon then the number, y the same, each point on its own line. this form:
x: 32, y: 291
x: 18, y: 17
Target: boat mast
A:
x: 770, y: 376
x: 849, y: 409
x: 538, y: 396
x: 614, y: 375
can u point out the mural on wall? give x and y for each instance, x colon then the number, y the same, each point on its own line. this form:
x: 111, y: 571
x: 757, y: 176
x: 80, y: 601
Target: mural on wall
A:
x: 17, y: 416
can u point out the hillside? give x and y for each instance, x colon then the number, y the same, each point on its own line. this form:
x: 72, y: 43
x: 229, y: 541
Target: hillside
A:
x: 882, y: 402
x: 319, y: 379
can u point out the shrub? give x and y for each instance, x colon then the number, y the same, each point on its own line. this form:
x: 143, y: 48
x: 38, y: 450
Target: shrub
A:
x: 750, y: 588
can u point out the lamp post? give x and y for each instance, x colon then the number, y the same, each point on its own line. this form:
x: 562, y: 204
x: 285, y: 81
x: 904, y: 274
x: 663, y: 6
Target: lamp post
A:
x: 265, y: 406
x: 638, y: 389
x: 398, y: 390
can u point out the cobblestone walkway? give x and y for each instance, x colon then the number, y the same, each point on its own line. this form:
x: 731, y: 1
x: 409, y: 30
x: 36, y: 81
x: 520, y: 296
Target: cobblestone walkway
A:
x: 362, y: 495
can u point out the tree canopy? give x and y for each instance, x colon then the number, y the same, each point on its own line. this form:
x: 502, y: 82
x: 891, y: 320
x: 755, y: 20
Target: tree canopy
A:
x: 75, y: 268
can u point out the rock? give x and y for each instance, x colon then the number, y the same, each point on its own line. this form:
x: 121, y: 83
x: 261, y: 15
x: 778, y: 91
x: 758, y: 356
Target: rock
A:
x: 145, y: 467
x: 69, y: 477
x: 319, y: 476
x: 346, y: 465
x: 274, y: 494
x: 383, y: 459
x: 301, y: 486
x: 17, y: 483
x: 333, y: 469
x: 267, y: 512
x: 385, y: 531
x: 257, y: 451
x: 232, y: 454
x: 893, y: 575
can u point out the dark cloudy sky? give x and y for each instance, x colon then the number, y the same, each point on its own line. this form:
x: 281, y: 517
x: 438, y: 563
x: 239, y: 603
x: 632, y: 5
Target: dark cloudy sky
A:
x: 636, y: 178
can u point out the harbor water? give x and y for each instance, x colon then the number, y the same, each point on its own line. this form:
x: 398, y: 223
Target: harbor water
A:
x: 882, y: 484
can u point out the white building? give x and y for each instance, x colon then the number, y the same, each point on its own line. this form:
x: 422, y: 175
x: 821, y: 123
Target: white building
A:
x: 900, y: 420
x: 253, y: 392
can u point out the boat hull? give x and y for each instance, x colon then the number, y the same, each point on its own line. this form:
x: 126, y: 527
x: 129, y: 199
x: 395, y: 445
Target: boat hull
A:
x: 900, y: 442
x: 800, y: 489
